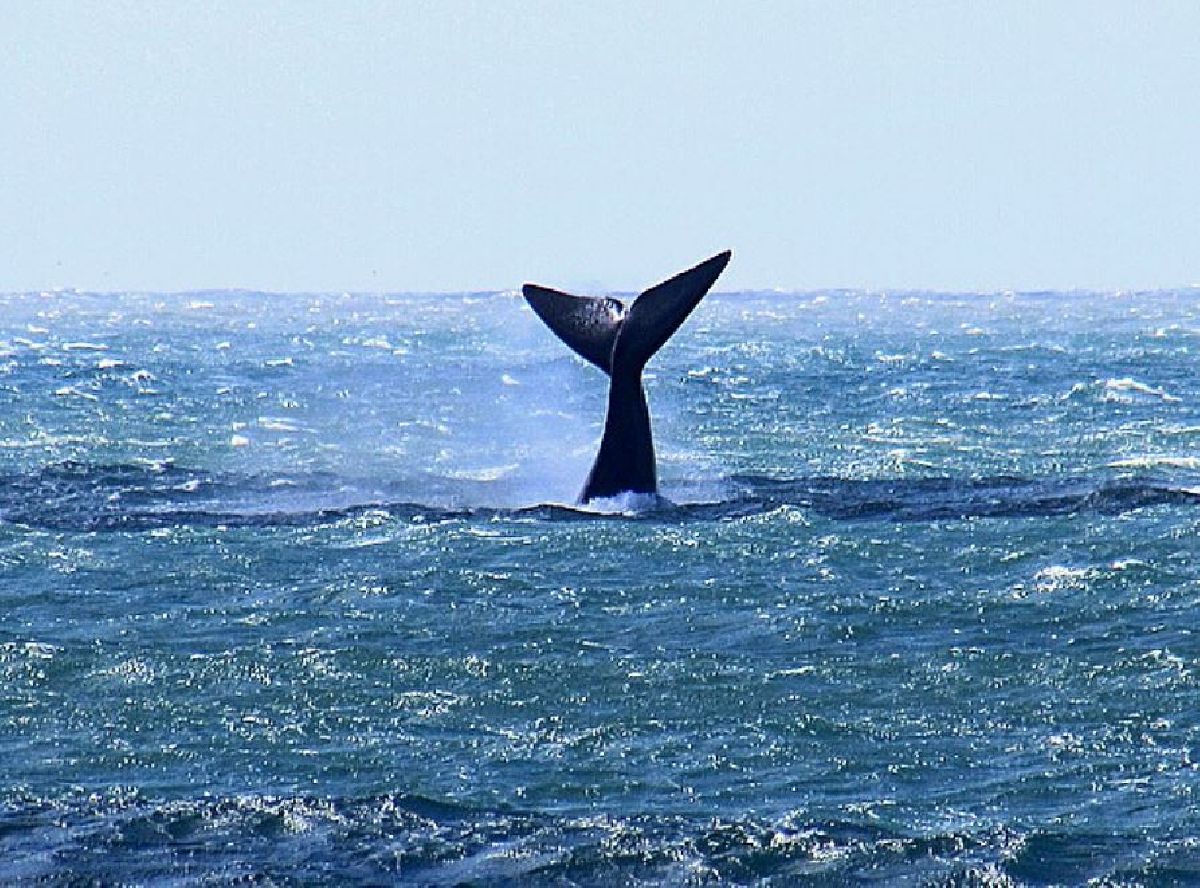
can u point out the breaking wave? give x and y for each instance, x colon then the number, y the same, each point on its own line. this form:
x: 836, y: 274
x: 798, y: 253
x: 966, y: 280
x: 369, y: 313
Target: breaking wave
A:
x: 75, y: 496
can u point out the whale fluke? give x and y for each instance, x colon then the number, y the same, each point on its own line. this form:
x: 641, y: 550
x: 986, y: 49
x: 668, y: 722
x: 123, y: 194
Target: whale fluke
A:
x: 588, y: 324
x: 620, y: 341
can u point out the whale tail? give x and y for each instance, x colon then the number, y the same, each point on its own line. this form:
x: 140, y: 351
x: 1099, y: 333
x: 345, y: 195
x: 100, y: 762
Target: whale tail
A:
x: 620, y: 341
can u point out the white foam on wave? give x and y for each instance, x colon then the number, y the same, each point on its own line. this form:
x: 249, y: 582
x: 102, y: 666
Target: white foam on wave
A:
x: 1058, y: 577
x: 68, y: 391
x: 278, y: 424
x: 625, y: 503
x: 1151, y: 461
x: 487, y: 473
x: 84, y: 346
x: 1125, y: 389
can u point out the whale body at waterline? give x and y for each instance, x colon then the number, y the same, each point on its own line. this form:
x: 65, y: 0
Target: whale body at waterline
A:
x: 620, y: 341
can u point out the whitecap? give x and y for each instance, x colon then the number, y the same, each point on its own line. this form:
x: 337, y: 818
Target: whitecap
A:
x: 1151, y: 461
x: 1124, y: 389
x: 154, y: 465
x: 625, y: 503
x: 487, y: 473
x: 84, y: 346
x: 276, y: 424
x: 68, y: 391
x: 1058, y: 577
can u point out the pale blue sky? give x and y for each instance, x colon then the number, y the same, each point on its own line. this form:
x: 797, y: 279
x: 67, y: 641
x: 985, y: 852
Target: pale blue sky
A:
x: 448, y: 146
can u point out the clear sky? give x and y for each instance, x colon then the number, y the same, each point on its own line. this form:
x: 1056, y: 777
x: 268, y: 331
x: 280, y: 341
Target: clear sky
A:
x: 453, y: 145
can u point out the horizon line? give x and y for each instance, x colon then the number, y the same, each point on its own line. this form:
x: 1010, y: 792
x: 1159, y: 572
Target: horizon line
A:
x: 780, y: 291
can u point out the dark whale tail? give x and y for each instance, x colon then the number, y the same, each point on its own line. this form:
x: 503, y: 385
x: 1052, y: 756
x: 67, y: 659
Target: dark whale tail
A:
x: 620, y: 341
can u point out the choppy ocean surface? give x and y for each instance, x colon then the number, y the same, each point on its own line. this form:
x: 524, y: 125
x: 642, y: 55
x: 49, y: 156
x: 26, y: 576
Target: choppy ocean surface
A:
x: 292, y: 592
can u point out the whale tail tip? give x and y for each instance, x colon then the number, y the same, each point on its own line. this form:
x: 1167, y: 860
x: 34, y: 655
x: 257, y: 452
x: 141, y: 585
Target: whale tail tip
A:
x: 658, y: 312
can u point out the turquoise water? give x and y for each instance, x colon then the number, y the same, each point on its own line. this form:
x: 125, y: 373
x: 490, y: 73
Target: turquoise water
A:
x: 292, y: 592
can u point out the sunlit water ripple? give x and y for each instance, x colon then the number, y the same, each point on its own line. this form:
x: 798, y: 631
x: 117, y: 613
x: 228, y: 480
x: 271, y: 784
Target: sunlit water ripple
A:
x: 293, y: 591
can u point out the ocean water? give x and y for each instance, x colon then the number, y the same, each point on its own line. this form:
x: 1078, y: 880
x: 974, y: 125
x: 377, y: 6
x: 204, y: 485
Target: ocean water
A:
x: 292, y: 592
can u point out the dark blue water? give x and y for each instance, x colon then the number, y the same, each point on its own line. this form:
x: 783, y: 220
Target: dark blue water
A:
x: 291, y: 591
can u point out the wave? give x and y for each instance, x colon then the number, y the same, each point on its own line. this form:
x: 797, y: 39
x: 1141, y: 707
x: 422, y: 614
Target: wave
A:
x: 126, y: 837
x: 73, y: 496
x: 932, y: 499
